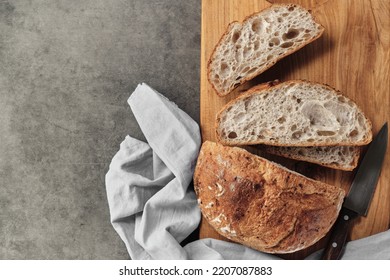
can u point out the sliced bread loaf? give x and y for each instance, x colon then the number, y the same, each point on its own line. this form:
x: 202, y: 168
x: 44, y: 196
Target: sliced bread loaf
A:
x: 294, y: 113
x: 249, y: 48
x: 337, y: 157
x: 260, y: 204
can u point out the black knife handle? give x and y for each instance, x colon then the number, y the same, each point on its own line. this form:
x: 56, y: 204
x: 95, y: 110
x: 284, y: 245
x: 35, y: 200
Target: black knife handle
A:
x: 335, y: 246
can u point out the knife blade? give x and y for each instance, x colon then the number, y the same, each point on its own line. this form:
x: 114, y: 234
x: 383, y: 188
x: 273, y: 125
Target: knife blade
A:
x: 360, y: 195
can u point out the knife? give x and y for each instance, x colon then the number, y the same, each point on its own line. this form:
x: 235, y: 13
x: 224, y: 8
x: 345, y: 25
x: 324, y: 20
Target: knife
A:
x: 359, y: 198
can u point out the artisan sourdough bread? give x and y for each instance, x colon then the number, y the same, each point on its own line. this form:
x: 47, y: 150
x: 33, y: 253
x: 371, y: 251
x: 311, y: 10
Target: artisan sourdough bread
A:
x: 260, y: 204
x: 338, y: 157
x: 293, y: 113
x: 249, y: 48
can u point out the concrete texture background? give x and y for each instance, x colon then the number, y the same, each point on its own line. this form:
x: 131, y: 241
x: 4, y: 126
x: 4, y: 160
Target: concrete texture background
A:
x: 66, y: 71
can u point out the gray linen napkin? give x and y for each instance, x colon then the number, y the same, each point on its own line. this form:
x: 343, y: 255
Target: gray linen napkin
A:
x: 151, y: 207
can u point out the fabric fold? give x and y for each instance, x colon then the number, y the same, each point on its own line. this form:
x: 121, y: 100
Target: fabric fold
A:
x: 150, y: 204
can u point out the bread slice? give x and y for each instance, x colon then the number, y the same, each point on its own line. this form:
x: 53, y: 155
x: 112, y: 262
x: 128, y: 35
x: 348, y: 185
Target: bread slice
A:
x: 294, y: 113
x: 260, y: 204
x: 338, y: 157
x: 251, y: 47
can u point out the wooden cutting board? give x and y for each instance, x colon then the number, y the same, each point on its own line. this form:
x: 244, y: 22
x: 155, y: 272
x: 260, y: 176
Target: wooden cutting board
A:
x: 352, y: 56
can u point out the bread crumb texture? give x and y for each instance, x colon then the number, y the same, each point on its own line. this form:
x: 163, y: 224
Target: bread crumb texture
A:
x: 260, y: 204
x: 338, y: 157
x: 249, y: 48
x: 293, y: 113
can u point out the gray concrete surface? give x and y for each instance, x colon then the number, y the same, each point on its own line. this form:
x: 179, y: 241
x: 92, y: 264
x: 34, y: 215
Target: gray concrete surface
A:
x: 66, y: 71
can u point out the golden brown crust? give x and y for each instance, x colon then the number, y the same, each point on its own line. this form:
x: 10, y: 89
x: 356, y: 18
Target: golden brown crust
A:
x: 262, y: 205
x: 256, y: 73
x: 259, y: 90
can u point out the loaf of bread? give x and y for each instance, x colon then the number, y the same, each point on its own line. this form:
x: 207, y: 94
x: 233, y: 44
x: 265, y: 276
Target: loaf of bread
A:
x: 260, y: 204
x: 338, y: 157
x: 249, y: 48
x: 293, y: 113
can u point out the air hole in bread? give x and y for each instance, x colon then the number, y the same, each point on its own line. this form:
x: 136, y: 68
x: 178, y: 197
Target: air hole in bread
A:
x: 246, y: 104
x: 245, y: 69
x: 236, y: 36
x: 361, y: 120
x: 298, y: 100
x: 251, y: 71
x: 291, y: 34
x: 286, y: 45
x: 256, y: 26
x: 291, y: 8
x: 325, y: 133
x: 274, y: 42
x: 297, y: 134
x: 256, y: 45
x: 318, y: 115
x: 353, y: 133
x: 341, y: 99
x: 280, y: 19
x: 293, y: 127
x: 270, y: 57
x: 237, y: 56
x: 281, y: 120
x: 232, y: 135
x: 246, y: 52
x: 224, y: 67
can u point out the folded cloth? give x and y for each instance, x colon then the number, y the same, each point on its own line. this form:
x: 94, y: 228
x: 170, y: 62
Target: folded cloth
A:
x: 151, y: 206
x: 375, y: 247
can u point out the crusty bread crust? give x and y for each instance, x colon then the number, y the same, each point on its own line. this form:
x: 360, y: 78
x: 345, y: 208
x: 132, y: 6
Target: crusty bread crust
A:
x: 260, y: 204
x: 259, y: 70
x: 260, y: 89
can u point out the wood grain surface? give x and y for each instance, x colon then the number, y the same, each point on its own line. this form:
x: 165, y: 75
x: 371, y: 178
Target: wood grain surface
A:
x: 352, y: 56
